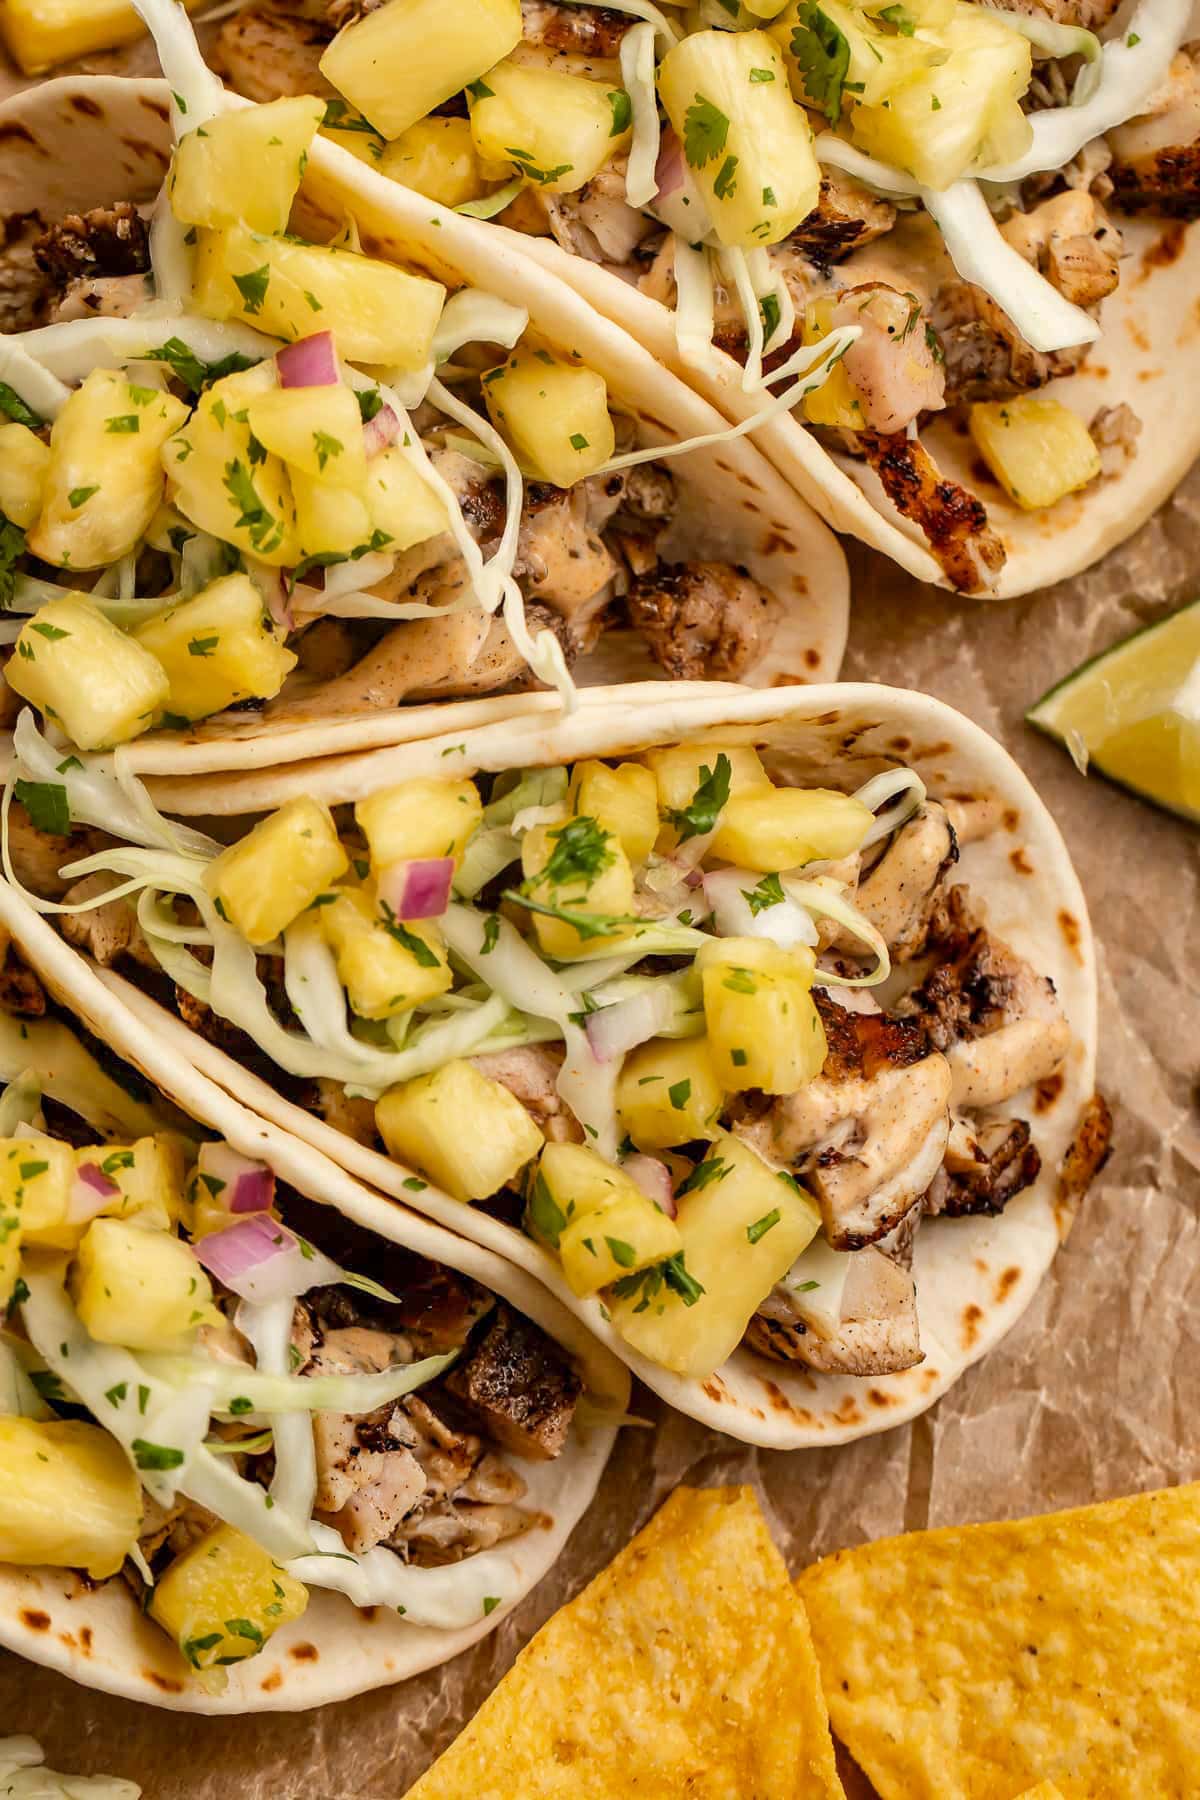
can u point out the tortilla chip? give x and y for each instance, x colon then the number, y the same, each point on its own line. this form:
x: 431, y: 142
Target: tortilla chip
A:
x: 1045, y: 1790
x: 973, y: 1663
x: 685, y: 1669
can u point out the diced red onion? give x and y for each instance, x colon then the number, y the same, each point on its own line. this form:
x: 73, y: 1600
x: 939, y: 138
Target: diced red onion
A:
x: 622, y: 1027
x: 236, y: 1182
x: 418, y: 889
x: 381, y: 431
x: 786, y: 923
x: 91, y: 1192
x: 654, y: 1179
x: 668, y: 170
x: 260, y: 1259
x: 310, y: 363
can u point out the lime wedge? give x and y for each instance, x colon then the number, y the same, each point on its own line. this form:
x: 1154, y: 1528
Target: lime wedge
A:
x: 1133, y: 713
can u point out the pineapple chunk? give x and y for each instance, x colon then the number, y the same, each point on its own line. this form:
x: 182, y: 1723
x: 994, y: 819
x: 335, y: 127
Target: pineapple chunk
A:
x: 40, y: 33
x: 82, y: 671
x: 385, y: 967
x: 780, y: 828
x: 224, y: 1597
x: 582, y: 868
x: 764, y: 1030
x: 419, y: 818
x: 379, y: 314
x: 668, y: 1093
x: 624, y: 801
x: 36, y: 1175
x: 836, y: 402
x: 877, y: 61
x: 743, y: 1225
x: 600, y: 1221
x: 560, y: 130
x: 553, y: 414
x: 104, y: 482
x: 245, y: 167
x: 437, y: 157
x: 400, y: 503
x: 137, y: 1287
x: 10, y: 1255
x: 748, y: 144
x: 966, y: 111
x: 24, y: 466
x: 330, y: 521
x: 402, y: 61
x: 682, y: 771
x: 422, y: 1123
x: 148, y: 1177
x: 217, y: 648
x: 220, y: 480
x: 316, y: 430
x: 71, y: 1498
x: 1036, y: 447
x: 276, y: 871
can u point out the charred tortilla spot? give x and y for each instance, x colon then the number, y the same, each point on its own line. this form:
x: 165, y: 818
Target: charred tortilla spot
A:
x: 1047, y: 1091
x: 1010, y: 818
x: 164, y: 1683
x: 304, y: 1652
x: 971, y: 1321
x: 877, y: 1397
x: 1069, y: 925
x: 1005, y: 1285
x: 1020, y: 861
x: 34, y: 1620
x: 812, y: 658
x: 715, y: 1389
x: 271, y: 1682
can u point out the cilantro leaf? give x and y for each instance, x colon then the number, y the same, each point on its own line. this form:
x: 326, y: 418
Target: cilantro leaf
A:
x: 47, y: 805
x: 12, y: 404
x: 12, y: 548
x: 253, y: 287
x: 417, y: 948
x: 188, y: 368
x: 704, y: 809
x: 581, y: 852
x: 705, y: 129
x: 822, y: 53
x: 725, y: 185
x: 622, y: 111
x: 769, y: 892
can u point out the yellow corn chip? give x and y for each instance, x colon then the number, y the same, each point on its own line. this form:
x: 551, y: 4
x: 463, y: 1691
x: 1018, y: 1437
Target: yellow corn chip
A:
x: 685, y: 1669
x: 1045, y: 1790
x: 969, y: 1664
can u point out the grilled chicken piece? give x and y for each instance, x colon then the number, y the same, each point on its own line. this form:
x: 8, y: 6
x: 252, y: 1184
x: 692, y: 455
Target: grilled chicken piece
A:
x: 953, y: 521
x: 846, y: 217
x: 879, y: 1333
x: 868, y: 1135
x: 273, y: 51
x: 1089, y: 1150
x: 562, y: 562
x: 703, y: 620
x: 578, y: 30
x: 518, y: 1387
x: 530, y: 1072
x: 21, y: 992
x: 1091, y: 14
x: 1070, y: 241
x: 108, y: 933
x: 1115, y: 431
x: 22, y: 284
x: 898, y: 894
x: 448, y: 654
x: 108, y: 241
x: 597, y: 222
x: 1156, y: 157
x: 894, y: 366
x: 37, y: 856
x: 997, y: 1022
x: 471, y: 1495
x: 354, y: 1117
x: 985, y: 1166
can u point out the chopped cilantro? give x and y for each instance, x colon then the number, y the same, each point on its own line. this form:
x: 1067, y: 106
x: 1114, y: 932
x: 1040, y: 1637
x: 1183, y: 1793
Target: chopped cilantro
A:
x: 326, y: 447
x: 713, y: 1168
x: 203, y: 646
x: 725, y: 185
x: 156, y: 1456
x: 757, y: 75
x: 760, y: 1227
x: 47, y: 805
x: 769, y: 892
x: 623, y: 1254
x: 80, y: 496
x: 701, y: 814
x: 705, y: 130
x: 188, y: 368
x: 253, y: 287
x: 768, y: 306
x: 370, y: 402
x: 822, y: 53
x: 124, y: 425
x: 416, y: 946
x: 491, y: 932
x: 12, y: 548
x: 679, y: 1093
x: 622, y: 111
x: 12, y: 404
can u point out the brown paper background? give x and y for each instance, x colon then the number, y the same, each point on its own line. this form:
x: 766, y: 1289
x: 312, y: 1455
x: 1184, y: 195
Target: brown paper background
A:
x: 1095, y: 1393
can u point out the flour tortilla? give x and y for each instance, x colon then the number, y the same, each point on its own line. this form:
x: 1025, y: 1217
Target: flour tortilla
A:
x: 98, y: 1635
x: 79, y: 142
x: 1147, y: 358
x: 975, y: 1276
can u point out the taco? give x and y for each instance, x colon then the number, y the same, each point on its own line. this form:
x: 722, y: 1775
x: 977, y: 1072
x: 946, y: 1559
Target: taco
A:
x: 441, y: 485
x: 979, y: 193
x: 255, y: 1455
x: 761, y: 1027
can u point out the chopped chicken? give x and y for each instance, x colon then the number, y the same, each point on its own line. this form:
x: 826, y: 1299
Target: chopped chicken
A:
x: 894, y: 366
x: 985, y: 1166
x: 1091, y: 14
x: 997, y: 1021
x: 846, y: 217
x: 578, y: 30
x: 953, y: 521
x: 1089, y: 1149
x: 37, y: 856
x: 1070, y: 241
x: 897, y: 895
x: 22, y: 284
x: 530, y: 1072
x: 108, y: 933
x: 353, y: 1116
x: 448, y: 654
x: 272, y: 51
x: 973, y: 816
x: 879, y: 1333
x: 518, y: 1387
x: 21, y: 992
x: 597, y: 221
x: 96, y: 262
x: 450, y: 1522
x: 1156, y: 157
x: 176, y: 1527
x: 1115, y: 431
x: 562, y: 562
x: 867, y: 1136
x: 702, y: 621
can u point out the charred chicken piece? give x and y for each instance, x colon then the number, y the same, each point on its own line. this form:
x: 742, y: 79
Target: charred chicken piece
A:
x: 1156, y: 157
x: 846, y: 216
x: 867, y: 1136
x: 878, y: 1334
x: 95, y: 262
x: 517, y: 1387
x: 895, y: 366
x: 898, y: 893
x: 273, y: 51
x: 997, y: 1022
x: 1091, y: 14
x: 703, y: 620
x: 953, y: 521
x: 985, y: 1166
x: 108, y: 934
x: 577, y: 30
x: 21, y: 991
x: 562, y: 562
x: 530, y: 1073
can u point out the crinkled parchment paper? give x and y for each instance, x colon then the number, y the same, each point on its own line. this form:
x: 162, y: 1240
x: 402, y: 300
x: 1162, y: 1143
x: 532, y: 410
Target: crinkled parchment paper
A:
x: 1095, y: 1393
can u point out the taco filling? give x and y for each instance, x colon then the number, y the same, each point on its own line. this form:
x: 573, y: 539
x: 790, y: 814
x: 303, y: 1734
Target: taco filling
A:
x: 204, y: 1393
x: 243, y: 470
x: 722, y: 1046
x: 944, y: 178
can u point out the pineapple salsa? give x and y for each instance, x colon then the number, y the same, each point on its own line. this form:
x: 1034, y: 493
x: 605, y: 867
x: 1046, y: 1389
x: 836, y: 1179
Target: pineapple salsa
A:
x: 194, y: 1395
x: 292, y: 477
x: 933, y: 173
x: 649, y: 986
